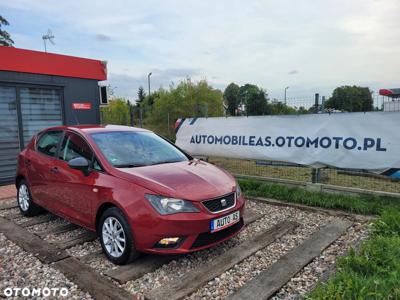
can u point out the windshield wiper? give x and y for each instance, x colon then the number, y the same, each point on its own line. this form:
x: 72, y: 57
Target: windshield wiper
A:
x: 128, y: 165
x: 165, y: 162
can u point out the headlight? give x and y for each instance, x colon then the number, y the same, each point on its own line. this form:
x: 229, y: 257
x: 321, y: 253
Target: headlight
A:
x: 238, y: 191
x: 168, y: 206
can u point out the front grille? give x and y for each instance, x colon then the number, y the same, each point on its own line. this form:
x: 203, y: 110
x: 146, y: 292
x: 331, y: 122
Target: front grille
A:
x: 216, y: 205
x: 208, y: 238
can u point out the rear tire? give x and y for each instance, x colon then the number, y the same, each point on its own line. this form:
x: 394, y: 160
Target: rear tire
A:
x: 25, y: 202
x: 116, y: 237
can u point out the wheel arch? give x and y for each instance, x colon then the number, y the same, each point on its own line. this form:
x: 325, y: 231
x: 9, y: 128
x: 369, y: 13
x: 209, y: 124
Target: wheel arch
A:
x: 18, y: 179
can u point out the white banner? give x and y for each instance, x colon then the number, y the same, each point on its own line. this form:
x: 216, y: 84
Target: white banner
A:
x: 344, y: 140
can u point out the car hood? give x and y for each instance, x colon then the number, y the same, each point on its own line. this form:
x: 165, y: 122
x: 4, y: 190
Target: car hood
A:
x: 193, y: 180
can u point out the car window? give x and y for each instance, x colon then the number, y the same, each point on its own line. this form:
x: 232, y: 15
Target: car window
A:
x: 48, y: 142
x: 135, y: 149
x: 74, y: 146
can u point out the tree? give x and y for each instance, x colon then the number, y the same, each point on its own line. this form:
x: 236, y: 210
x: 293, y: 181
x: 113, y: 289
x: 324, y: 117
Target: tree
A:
x: 231, y: 97
x: 5, y: 38
x: 187, y: 99
x: 117, y: 112
x: 141, y: 94
x: 254, y: 98
x: 279, y: 108
x: 351, y: 99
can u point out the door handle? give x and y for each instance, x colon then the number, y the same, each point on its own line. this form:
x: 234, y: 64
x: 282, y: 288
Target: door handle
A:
x: 54, y: 170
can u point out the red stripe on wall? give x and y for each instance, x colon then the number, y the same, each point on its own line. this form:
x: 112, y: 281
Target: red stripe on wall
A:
x: 36, y: 62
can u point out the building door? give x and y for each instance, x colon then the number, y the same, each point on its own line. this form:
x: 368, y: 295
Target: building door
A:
x: 9, y: 138
x: 23, y: 112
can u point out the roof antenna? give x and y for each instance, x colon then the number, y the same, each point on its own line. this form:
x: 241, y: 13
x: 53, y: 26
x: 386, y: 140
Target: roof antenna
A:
x: 49, y: 36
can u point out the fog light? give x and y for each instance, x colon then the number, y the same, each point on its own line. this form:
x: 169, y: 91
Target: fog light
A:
x: 169, y: 241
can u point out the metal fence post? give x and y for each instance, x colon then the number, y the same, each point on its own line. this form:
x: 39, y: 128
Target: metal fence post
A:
x: 315, y: 175
x: 316, y: 103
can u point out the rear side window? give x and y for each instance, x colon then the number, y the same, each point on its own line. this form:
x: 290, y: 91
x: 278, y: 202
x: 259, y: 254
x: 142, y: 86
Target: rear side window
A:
x: 48, y: 142
x: 75, y: 146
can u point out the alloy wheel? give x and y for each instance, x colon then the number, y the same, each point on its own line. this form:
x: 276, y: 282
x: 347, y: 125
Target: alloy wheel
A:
x: 113, y: 237
x: 23, y: 197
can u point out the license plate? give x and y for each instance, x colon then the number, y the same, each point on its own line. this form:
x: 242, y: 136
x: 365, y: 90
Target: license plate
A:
x: 223, y: 222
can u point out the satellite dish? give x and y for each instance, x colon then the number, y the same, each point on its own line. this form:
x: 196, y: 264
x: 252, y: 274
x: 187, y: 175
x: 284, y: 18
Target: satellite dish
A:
x: 50, y: 37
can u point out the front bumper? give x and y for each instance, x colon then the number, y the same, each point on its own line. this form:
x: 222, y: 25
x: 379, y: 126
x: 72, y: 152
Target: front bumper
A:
x: 192, y: 228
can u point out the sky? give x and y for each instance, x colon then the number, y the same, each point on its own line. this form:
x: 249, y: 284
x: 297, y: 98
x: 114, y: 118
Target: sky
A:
x: 311, y: 46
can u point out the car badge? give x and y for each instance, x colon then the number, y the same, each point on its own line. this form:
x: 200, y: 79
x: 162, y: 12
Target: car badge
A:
x: 223, y: 202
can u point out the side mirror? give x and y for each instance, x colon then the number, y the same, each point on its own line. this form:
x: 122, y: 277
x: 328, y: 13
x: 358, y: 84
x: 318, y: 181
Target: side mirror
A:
x: 79, y: 163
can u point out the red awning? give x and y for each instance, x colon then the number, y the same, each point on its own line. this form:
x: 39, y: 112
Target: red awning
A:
x: 36, y: 62
x: 394, y: 93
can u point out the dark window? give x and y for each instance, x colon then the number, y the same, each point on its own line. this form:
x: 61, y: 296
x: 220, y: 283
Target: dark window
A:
x: 48, y: 142
x: 75, y: 146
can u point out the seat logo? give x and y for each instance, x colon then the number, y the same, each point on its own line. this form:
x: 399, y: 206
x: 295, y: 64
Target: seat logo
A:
x: 223, y: 202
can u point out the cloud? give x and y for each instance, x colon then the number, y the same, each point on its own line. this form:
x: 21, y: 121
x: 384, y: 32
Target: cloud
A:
x: 102, y: 37
x: 126, y: 86
x: 332, y: 42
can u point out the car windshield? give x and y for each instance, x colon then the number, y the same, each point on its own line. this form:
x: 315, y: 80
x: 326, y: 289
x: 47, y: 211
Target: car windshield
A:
x: 126, y: 149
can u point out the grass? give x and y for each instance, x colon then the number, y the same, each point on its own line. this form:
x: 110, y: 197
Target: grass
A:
x: 330, y: 176
x: 367, y: 205
x: 373, y: 271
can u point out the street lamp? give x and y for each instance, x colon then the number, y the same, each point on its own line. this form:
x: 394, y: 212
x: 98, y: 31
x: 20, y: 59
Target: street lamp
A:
x: 285, y: 93
x: 148, y: 80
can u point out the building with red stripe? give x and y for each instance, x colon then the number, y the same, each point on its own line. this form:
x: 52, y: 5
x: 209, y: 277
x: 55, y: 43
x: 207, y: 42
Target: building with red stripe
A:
x: 38, y: 90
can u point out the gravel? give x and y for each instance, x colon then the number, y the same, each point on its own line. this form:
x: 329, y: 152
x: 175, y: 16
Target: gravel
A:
x: 85, y: 248
x: 234, y: 278
x: 20, y: 269
x: 218, y: 288
x: 7, y: 212
x: 324, y: 265
x: 48, y: 225
x: 65, y: 235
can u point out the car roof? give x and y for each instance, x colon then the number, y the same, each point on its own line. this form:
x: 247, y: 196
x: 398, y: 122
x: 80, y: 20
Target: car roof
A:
x: 97, y: 128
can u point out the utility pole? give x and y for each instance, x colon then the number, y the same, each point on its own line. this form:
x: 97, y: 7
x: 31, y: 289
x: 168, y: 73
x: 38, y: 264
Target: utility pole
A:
x: 285, y: 93
x: 148, y: 80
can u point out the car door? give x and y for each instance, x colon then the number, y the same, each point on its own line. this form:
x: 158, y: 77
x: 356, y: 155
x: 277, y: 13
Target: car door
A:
x: 41, y: 165
x: 78, y: 192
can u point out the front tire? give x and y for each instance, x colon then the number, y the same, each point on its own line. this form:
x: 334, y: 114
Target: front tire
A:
x: 25, y: 202
x: 116, y: 237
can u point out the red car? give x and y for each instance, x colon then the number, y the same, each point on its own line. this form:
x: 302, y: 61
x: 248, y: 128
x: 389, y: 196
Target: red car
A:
x: 138, y: 191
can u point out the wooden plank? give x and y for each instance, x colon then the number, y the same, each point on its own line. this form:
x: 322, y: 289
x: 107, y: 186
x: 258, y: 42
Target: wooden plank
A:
x: 91, y: 256
x: 86, y: 279
x: 191, y: 282
x: 83, y: 276
x: 79, y: 239
x: 45, y: 252
x: 58, y: 229
x: 268, y: 282
x: 251, y: 216
x: 149, y: 263
x: 38, y: 220
x: 143, y: 265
